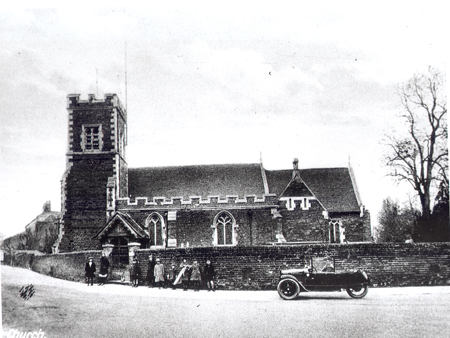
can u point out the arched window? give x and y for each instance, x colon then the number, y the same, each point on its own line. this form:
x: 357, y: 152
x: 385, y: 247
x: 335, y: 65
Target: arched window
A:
x: 224, y: 229
x: 336, y: 231
x: 156, y: 229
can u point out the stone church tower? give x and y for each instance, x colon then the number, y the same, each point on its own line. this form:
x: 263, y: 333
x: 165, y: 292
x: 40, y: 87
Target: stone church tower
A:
x: 96, y: 169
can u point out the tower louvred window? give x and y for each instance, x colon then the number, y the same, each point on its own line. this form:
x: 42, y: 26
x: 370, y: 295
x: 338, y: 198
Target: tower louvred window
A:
x: 91, y: 139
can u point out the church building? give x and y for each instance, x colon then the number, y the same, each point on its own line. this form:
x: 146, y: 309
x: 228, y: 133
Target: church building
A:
x: 104, y: 202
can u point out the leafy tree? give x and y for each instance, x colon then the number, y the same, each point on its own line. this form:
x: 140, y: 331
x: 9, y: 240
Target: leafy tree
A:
x: 396, y: 224
x: 420, y: 157
x: 442, y: 203
x: 437, y: 227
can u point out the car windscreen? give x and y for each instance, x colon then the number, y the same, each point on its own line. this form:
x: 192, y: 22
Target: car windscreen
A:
x: 325, y: 264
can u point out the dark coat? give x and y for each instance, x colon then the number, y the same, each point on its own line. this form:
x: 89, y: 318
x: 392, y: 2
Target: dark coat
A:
x: 135, y: 271
x: 90, y: 270
x: 104, y: 266
x: 151, y: 271
x: 208, y: 272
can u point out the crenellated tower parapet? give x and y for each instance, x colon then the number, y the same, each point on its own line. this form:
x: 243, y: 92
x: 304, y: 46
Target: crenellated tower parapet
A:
x: 112, y: 100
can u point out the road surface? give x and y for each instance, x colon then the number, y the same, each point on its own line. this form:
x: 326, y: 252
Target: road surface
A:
x: 61, y: 308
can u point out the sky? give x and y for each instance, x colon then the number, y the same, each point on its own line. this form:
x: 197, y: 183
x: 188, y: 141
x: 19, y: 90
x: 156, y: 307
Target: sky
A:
x: 235, y: 82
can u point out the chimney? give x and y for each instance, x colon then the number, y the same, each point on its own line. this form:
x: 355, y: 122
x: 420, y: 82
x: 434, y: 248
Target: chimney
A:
x: 296, y: 172
x: 47, y: 207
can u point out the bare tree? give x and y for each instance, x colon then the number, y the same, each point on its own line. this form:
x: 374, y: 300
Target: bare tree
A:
x: 421, y: 156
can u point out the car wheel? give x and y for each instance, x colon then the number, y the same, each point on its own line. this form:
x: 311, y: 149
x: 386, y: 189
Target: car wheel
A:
x: 288, y: 288
x: 357, y: 291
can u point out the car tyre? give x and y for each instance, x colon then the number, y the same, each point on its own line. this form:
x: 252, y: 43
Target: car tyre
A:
x: 288, y: 288
x: 358, y: 291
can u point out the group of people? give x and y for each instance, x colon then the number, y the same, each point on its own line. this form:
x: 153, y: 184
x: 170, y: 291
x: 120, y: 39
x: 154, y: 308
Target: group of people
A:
x: 90, y: 270
x: 187, y: 275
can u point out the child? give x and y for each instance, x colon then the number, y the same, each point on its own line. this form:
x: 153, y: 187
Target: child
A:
x: 196, y: 276
x: 171, y: 276
x: 184, y: 275
x: 159, y: 273
x: 135, y: 272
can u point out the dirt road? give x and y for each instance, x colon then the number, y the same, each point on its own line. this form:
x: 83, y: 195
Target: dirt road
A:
x: 60, y: 308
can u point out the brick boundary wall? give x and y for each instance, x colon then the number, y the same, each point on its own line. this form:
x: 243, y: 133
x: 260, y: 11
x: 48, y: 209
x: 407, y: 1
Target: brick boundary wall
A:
x: 68, y: 266
x: 258, y: 267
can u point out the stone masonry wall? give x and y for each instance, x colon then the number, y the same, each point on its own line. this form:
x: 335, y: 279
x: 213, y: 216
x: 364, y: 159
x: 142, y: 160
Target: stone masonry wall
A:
x: 258, y: 267
x: 305, y: 225
x: 85, y: 207
x: 256, y: 227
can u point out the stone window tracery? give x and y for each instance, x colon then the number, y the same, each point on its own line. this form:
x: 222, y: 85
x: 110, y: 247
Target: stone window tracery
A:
x: 224, y: 229
x: 156, y: 229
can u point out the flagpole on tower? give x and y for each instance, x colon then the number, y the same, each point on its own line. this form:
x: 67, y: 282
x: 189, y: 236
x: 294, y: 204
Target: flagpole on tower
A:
x: 126, y: 85
x: 96, y: 79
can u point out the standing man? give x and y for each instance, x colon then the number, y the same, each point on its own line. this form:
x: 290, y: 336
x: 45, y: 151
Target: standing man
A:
x: 90, y: 271
x: 104, y: 267
x: 209, y: 274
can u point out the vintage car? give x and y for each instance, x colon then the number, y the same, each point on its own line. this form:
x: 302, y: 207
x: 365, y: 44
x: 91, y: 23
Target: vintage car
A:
x: 320, y: 275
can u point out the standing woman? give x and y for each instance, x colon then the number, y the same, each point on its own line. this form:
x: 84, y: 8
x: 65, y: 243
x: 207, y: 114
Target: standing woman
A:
x: 104, y: 267
x: 151, y: 271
